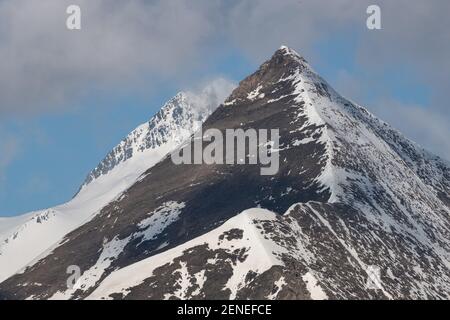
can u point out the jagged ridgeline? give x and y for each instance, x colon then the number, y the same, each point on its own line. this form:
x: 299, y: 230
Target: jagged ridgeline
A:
x: 352, y: 195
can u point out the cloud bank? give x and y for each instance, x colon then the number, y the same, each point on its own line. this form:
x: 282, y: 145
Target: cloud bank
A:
x: 43, y: 66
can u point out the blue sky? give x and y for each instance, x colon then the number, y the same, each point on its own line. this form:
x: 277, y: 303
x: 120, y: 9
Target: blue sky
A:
x: 58, y: 150
x: 55, y: 129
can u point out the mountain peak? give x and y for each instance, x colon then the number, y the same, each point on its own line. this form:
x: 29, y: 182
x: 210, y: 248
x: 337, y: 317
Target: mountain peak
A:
x: 179, y: 96
x: 284, y: 53
x: 174, y: 122
x: 285, y: 50
x: 283, y: 64
x: 351, y: 198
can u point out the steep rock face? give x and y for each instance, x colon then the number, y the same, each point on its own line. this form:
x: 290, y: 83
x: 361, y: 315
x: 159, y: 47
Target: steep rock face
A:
x: 351, y: 193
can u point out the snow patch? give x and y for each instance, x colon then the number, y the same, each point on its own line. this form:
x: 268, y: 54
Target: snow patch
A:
x: 315, y: 291
x: 261, y: 253
x: 255, y: 94
x: 279, y: 284
x: 159, y: 220
x: 111, y: 250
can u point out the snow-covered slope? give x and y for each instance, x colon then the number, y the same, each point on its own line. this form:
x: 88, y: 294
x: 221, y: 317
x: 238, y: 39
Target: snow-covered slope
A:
x: 26, y: 237
x: 240, y: 233
x: 351, y: 195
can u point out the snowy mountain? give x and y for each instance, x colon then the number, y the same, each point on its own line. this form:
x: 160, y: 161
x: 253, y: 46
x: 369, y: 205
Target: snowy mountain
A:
x: 175, y: 122
x: 140, y: 150
x: 352, y: 195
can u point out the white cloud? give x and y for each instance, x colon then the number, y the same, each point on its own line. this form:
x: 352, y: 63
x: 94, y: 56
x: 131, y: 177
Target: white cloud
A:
x: 211, y: 93
x: 44, y: 67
